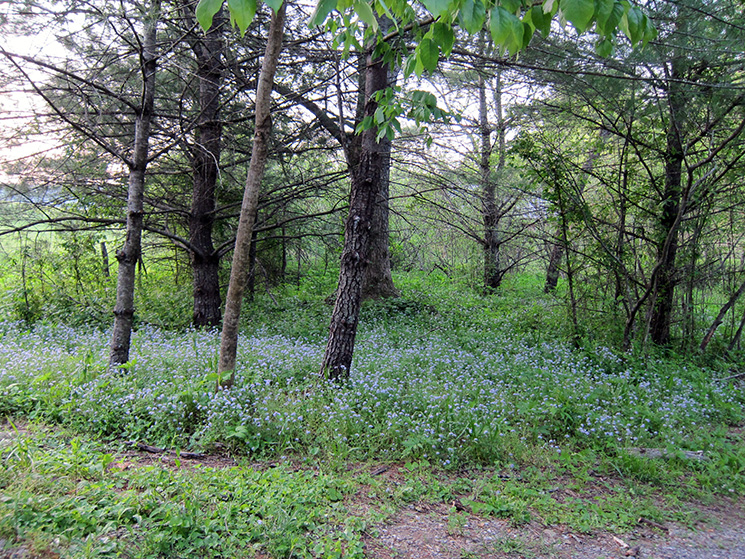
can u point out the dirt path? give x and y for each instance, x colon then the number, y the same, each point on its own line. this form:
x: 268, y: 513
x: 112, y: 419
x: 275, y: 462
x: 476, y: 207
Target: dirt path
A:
x: 425, y: 533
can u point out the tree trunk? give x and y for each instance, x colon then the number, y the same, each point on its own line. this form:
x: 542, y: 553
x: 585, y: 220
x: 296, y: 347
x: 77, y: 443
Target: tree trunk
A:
x: 720, y: 317
x: 366, y: 178
x: 105, y: 260
x: 205, y: 163
x: 665, y: 279
x: 553, y: 270
x: 735, y: 342
x: 378, y: 280
x: 130, y: 253
x: 493, y: 272
x: 260, y: 150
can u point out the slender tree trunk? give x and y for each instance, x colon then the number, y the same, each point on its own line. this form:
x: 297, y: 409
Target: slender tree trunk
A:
x: 260, y: 150
x: 205, y: 162
x: 105, y: 260
x: 570, y: 271
x: 664, y: 291
x: 735, y: 342
x: 720, y: 317
x: 129, y: 255
x: 366, y: 177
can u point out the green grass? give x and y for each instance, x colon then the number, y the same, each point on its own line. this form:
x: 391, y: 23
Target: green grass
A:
x: 71, y: 495
x: 470, y: 399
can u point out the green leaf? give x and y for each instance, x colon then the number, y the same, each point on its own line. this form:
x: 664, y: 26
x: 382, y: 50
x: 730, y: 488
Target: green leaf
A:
x: 604, y: 47
x: 365, y: 12
x: 428, y: 54
x: 650, y: 32
x: 322, y: 11
x: 206, y: 10
x: 242, y: 13
x: 443, y: 35
x: 635, y: 24
x: 527, y: 34
x: 274, y: 4
x: 500, y: 25
x: 472, y: 15
x: 436, y: 7
x: 379, y: 116
x: 603, y: 10
x: 511, y: 6
x: 578, y: 12
x: 409, y: 65
x: 614, y: 18
x: 418, y: 67
x: 516, y: 39
x: 540, y: 20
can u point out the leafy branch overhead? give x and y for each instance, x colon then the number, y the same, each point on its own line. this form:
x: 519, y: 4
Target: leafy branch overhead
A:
x: 512, y: 23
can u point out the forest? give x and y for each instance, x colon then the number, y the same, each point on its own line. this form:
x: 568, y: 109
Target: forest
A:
x: 274, y: 275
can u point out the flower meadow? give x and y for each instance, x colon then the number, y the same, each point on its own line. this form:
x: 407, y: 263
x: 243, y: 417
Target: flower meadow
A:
x: 426, y: 383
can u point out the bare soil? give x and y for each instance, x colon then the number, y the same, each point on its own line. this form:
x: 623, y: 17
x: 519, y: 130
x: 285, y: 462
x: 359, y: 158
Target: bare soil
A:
x: 421, y: 532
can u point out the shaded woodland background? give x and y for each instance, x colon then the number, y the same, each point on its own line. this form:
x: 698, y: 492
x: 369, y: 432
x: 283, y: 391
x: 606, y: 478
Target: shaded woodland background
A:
x: 614, y: 182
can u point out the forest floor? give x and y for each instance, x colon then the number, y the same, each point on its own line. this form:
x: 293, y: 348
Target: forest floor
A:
x: 448, y: 530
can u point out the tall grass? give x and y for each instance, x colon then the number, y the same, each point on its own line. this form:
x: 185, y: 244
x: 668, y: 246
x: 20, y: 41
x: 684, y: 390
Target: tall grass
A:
x: 449, y: 377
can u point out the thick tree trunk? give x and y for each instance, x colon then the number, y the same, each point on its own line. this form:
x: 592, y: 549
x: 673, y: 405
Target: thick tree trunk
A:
x: 366, y: 178
x: 260, y: 149
x: 205, y: 162
x: 666, y: 277
x: 129, y: 255
x: 378, y: 280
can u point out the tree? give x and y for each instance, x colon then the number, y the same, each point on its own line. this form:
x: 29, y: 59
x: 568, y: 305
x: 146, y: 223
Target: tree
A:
x: 508, y: 31
x: 433, y: 37
x: 670, y: 160
x: 241, y: 261
x: 205, y: 160
x: 129, y: 254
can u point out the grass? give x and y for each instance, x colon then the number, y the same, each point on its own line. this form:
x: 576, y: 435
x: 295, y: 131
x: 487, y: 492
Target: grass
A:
x: 467, y: 398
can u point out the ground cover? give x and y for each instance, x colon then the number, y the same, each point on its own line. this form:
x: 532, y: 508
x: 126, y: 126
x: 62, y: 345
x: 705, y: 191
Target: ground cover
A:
x: 456, y: 406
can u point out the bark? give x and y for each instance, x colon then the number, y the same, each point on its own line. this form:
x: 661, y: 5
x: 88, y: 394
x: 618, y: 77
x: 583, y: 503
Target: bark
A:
x: 378, y: 280
x: 665, y: 280
x: 205, y: 164
x: 241, y: 259
x: 553, y: 269
x: 366, y: 179
x: 105, y: 260
x: 735, y: 342
x: 130, y: 254
x: 493, y: 272
x: 720, y: 317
